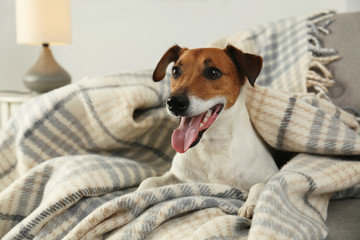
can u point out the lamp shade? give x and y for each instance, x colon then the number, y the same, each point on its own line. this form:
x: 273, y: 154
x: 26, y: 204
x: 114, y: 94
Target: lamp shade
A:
x: 43, y: 21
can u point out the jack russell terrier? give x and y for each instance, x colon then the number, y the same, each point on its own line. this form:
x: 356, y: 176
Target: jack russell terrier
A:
x: 215, y: 140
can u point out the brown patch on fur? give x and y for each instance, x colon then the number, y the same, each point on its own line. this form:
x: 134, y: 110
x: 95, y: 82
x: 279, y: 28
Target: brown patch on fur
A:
x: 235, y: 66
x: 248, y: 65
x: 172, y: 55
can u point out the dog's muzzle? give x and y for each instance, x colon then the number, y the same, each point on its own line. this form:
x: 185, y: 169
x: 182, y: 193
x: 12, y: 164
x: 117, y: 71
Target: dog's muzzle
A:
x: 178, y: 104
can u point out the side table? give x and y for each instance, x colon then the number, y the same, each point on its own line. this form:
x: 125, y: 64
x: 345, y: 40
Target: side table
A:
x: 10, y: 101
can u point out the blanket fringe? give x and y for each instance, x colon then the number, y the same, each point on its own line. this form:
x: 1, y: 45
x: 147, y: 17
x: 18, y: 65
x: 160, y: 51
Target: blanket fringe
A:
x: 318, y: 77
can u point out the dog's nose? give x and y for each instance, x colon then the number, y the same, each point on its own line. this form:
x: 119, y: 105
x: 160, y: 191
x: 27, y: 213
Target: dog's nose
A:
x: 178, y: 104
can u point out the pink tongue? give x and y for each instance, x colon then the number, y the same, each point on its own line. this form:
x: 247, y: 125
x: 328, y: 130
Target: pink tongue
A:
x: 186, y: 133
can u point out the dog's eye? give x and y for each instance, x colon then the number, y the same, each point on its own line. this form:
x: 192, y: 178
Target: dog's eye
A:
x: 176, y: 72
x: 212, y: 73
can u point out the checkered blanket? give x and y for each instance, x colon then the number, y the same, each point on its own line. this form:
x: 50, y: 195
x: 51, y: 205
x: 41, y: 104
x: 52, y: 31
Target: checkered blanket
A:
x: 71, y: 159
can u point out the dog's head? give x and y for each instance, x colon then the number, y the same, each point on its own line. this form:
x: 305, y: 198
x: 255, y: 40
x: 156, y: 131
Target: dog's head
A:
x: 204, y: 81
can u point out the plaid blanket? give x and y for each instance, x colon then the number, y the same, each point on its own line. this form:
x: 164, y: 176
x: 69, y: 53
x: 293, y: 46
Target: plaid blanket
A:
x: 71, y: 159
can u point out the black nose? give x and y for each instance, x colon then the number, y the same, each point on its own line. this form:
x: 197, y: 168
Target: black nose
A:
x: 178, y: 104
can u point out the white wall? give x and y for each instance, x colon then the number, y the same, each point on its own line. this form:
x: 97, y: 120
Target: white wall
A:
x: 120, y: 35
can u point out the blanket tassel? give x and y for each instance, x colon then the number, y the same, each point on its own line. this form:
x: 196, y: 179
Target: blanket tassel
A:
x: 319, y: 78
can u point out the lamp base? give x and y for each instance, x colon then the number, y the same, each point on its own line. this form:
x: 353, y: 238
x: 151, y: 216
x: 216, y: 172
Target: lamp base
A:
x: 46, y: 74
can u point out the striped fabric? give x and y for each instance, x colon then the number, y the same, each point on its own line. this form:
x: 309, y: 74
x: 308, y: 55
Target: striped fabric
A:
x: 294, y: 202
x: 71, y: 159
x: 284, y: 49
x: 290, y: 51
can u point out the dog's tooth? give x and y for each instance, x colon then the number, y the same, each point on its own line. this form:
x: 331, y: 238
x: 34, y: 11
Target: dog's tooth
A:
x: 208, y: 114
x: 201, y: 125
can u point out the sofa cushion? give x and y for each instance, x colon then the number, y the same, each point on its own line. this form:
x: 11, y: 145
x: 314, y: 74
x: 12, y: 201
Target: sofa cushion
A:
x: 343, y: 219
x: 345, y: 38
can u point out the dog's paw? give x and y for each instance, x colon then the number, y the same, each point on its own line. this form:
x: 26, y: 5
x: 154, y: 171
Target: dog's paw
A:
x: 153, y: 182
x: 147, y: 183
x: 246, y: 211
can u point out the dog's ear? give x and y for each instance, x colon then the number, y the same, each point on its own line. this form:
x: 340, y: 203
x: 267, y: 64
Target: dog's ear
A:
x: 171, y: 55
x: 247, y: 64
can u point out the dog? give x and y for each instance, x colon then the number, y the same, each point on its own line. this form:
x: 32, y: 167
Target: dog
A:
x: 215, y: 141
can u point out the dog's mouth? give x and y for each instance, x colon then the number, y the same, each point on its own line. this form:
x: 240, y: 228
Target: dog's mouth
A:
x: 191, y: 129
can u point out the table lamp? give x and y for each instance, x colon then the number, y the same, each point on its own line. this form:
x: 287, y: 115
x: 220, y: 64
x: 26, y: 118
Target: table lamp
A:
x: 44, y: 22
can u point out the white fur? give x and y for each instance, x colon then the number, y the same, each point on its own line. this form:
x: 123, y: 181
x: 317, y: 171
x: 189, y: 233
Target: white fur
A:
x: 230, y: 152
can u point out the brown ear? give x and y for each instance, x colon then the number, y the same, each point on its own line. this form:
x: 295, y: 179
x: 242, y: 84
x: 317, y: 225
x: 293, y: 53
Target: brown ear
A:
x: 248, y: 65
x: 171, y: 55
